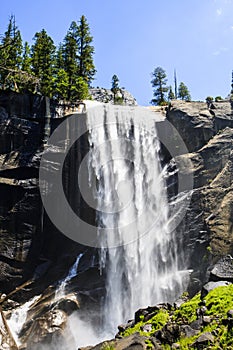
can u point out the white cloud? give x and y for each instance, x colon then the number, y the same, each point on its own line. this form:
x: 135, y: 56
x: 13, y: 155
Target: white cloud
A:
x: 221, y: 50
x: 219, y: 12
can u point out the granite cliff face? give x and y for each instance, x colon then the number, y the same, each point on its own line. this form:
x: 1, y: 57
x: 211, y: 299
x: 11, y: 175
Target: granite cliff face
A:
x: 207, y: 227
x: 35, y: 255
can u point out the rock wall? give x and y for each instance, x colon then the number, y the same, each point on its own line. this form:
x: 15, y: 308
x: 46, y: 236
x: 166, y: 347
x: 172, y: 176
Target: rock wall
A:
x: 207, y: 229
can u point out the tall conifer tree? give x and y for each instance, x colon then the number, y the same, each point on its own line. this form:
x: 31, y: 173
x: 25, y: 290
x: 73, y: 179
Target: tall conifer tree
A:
x: 85, y: 51
x: 159, y: 82
x: 10, y: 55
x: 42, y: 56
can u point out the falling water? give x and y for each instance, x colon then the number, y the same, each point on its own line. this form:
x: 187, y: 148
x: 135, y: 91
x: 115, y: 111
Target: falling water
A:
x: 139, y: 253
x: 18, y: 318
x: 60, y: 292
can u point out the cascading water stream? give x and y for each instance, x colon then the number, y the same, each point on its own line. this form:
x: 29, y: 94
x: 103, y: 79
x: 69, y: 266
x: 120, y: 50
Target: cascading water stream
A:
x: 60, y: 292
x: 18, y: 318
x: 139, y: 253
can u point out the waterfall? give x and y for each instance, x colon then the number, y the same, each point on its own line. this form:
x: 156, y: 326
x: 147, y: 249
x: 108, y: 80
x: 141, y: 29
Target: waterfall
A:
x: 138, y: 252
x: 60, y: 292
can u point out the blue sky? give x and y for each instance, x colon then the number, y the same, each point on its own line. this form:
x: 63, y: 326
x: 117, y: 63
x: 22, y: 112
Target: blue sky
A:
x: 132, y: 37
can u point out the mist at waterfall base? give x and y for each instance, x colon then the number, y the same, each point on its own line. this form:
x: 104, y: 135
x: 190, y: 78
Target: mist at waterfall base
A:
x: 138, y: 251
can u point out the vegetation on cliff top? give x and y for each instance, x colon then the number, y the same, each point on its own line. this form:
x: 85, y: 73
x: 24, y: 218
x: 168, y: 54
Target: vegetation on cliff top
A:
x: 64, y: 72
x: 162, y: 93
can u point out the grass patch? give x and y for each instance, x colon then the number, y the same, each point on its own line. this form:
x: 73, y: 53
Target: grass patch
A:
x: 158, y: 322
x: 187, y: 311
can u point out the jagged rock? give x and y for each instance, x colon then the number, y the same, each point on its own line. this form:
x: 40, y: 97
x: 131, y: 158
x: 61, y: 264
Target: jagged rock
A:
x: 169, y: 333
x: 212, y: 285
x: 223, y: 270
x: 107, y: 96
x: 68, y: 304
x: 197, y: 324
x: 205, y: 339
x: 192, y: 119
x: 207, y: 226
x: 188, y: 331
x: 50, y: 328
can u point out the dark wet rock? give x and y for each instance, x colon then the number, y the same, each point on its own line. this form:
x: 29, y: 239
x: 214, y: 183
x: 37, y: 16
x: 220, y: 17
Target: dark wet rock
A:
x: 150, y: 311
x: 196, y: 325
x: 169, y: 333
x: 204, y: 340
x: 188, y: 331
x: 67, y: 303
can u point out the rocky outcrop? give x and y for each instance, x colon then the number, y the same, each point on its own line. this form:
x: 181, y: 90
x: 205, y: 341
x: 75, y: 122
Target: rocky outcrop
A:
x: 223, y: 270
x: 107, y: 96
x: 206, y: 229
x: 198, y: 122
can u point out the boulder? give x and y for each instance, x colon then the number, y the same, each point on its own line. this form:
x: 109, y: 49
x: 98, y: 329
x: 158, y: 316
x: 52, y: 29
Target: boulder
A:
x: 48, y: 331
x: 188, y: 331
x: 212, y: 285
x: 223, y: 270
x: 203, y: 341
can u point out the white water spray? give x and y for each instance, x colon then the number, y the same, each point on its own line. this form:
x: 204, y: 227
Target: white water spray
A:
x: 19, y: 317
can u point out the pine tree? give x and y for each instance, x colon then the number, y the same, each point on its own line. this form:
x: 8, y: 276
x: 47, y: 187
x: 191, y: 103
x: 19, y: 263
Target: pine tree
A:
x: 79, y: 91
x: 171, y: 95
x: 61, y: 84
x: 26, y: 59
x: 175, y: 83
x: 60, y: 63
x: 183, y: 92
x: 85, y: 51
x: 10, y: 56
x: 43, y: 61
x: 69, y: 52
x: 159, y: 82
x: 115, y: 83
x: 231, y: 82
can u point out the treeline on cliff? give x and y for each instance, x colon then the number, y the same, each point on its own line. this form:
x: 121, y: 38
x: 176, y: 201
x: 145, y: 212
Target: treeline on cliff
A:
x: 63, y: 72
